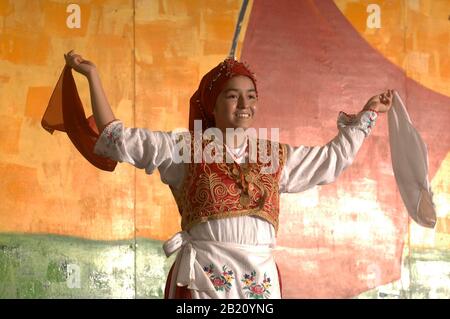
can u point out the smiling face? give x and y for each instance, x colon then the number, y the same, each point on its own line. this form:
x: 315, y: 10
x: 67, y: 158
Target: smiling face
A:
x: 236, y: 104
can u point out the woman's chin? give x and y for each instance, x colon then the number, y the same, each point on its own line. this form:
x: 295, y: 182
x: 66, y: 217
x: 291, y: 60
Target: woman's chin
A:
x: 242, y: 123
x: 235, y: 124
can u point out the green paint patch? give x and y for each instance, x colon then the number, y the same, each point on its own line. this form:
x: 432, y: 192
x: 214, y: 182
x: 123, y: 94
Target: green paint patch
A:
x: 49, y: 266
x: 57, y: 271
x: 425, y: 274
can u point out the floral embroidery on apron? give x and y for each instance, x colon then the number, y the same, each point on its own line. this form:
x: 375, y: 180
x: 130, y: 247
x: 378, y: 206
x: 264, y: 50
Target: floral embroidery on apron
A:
x: 220, y: 281
x: 253, y: 289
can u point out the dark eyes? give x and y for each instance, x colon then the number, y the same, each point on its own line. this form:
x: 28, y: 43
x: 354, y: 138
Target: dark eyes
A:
x: 234, y: 96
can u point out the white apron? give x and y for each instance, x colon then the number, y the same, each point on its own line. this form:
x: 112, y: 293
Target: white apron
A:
x: 224, y: 269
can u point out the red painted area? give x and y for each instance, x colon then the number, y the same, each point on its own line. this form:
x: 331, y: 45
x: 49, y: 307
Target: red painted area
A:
x: 310, y: 64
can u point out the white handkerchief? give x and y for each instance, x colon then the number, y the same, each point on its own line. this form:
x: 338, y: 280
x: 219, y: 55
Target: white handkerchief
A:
x: 410, y: 164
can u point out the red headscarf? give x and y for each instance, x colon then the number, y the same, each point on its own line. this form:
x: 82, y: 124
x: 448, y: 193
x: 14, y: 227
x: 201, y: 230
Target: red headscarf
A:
x: 203, y: 101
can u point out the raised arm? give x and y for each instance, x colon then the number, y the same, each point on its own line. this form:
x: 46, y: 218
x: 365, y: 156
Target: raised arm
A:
x: 139, y: 147
x: 101, y: 109
x: 307, y: 166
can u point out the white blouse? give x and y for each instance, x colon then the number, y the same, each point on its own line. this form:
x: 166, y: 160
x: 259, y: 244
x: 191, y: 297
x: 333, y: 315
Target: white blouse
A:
x: 305, y: 167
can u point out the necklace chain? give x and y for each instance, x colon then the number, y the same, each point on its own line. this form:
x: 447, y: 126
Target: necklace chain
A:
x: 242, y: 150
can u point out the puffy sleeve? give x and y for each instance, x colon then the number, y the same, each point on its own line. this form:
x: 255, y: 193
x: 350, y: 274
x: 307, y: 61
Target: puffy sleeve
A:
x: 307, y: 166
x: 141, y: 148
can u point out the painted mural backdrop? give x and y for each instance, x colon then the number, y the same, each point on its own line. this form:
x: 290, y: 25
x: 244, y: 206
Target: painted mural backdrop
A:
x: 70, y: 230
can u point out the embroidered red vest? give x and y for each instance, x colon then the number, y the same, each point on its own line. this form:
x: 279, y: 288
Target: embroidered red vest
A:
x: 221, y: 190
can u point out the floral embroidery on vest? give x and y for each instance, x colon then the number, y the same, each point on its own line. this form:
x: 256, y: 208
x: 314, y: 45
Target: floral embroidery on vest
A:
x: 254, y: 290
x: 221, y: 281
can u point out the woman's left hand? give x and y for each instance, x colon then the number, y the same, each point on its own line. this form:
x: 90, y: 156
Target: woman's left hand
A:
x: 380, y: 103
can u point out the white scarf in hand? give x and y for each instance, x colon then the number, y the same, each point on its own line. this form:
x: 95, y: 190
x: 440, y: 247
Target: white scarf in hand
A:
x: 410, y: 164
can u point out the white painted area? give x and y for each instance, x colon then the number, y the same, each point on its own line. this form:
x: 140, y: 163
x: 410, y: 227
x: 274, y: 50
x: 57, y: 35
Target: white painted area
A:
x: 434, y: 274
x: 421, y: 236
x: 73, y: 276
x: 116, y: 263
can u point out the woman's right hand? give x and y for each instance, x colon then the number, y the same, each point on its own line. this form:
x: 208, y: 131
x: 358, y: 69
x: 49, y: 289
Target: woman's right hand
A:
x: 380, y: 103
x: 76, y: 62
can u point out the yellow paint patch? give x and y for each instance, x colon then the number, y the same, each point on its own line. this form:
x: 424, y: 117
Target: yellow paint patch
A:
x: 443, y: 225
x: 441, y: 188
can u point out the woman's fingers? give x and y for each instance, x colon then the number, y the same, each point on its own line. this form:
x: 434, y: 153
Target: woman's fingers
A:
x: 72, y: 58
x: 390, y: 95
x: 68, y: 53
x: 88, y: 62
x: 71, y: 54
x: 76, y: 62
x: 75, y: 56
x: 381, y: 102
x: 386, y: 97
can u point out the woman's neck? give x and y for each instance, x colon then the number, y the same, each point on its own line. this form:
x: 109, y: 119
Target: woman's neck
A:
x: 234, y: 138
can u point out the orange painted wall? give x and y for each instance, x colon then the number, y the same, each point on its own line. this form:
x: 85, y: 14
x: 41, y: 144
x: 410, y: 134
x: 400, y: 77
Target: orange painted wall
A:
x: 150, y: 55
